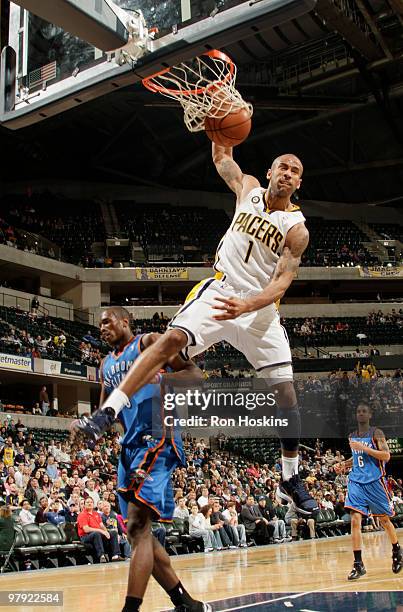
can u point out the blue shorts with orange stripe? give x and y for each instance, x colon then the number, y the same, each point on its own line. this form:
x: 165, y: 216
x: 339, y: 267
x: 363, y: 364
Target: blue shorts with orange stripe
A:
x: 369, y: 498
x: 158, y: 460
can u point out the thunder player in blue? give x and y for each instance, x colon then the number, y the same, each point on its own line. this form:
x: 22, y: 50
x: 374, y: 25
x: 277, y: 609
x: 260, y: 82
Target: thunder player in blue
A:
x: 366, y: 490
x: 150, y: 453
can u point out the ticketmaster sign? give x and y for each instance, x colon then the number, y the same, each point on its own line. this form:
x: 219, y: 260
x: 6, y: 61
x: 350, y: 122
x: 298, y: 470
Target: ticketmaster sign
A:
x: 15, y: 362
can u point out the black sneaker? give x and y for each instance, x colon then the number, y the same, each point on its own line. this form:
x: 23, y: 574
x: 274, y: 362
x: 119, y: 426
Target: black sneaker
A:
x: 357, y: 571
x: 95, y: 426
x: 294, y: 490
x: 197, y: 606
x: 397, y: 561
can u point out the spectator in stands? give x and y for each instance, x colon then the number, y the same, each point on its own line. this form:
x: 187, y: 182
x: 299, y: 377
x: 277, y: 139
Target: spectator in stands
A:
x: 297, y: 523
x: 327, y: 503
x: 239, y: 532
x: 51, y: 468
x: 12, y: 497
x: 71, y: 514
x: 279, y: 533
x: 44, y: 400
x: 203, y: 499
x: 7, y: 453
x: 110, y: 520
x: 26, y: 517
x: 91, y: 530
x: 206, y: 524
x: 90, y: 491
x: 224, y: 528
x: 43, y: 508
x: 7, y: 532
x: 33, y: 492
x: 197, y: 529
x: 34, y: 305
x: 55, y: 515
x: 180, y: 510
x: 255, y: 524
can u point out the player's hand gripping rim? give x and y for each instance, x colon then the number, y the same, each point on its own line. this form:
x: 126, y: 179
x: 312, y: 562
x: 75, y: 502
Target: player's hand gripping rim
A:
x: 231, y: 307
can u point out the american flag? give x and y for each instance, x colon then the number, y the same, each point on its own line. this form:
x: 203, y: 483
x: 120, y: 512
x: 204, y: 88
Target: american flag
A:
x: 42, y: 74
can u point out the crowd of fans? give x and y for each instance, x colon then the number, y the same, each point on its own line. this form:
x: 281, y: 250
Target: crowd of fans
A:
x: 226, y: 500
x: 35, y: 334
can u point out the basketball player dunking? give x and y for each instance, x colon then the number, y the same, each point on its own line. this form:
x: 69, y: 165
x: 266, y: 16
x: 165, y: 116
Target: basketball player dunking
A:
x: 366, y: 490
x: 256, y: 262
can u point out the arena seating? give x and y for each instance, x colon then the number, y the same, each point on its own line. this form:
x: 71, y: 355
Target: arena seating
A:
x: 71, y: 224
x: 388, y: 231
x: 173, y: 233
x: 165, y: 232
x: 336, y: 243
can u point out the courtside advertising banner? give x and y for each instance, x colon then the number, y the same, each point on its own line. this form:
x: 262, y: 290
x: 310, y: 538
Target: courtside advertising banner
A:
x: 154, y: 274
x: 74, y: 369
x: 381, y: 272
x: 16, y: 362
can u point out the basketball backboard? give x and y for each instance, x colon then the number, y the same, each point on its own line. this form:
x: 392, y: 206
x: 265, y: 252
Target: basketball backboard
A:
x: 56, y: 71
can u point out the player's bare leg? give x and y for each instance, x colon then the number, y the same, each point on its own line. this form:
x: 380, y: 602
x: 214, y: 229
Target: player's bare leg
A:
x: 149, y: 558
x: 356, y: 538
x: 291, y: 488
x: 397, y: 557
x: 143, y: 370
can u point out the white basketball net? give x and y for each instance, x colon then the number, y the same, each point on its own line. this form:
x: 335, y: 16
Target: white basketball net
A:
x: 205, y: 87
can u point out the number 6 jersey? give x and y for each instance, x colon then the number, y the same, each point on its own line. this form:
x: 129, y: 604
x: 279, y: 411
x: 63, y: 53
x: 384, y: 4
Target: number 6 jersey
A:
x: 250, y: 249
x: 365, y: 467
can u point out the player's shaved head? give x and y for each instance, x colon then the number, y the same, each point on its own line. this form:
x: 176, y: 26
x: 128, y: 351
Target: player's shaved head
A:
x: 119, y: 312
x: 290, y: 159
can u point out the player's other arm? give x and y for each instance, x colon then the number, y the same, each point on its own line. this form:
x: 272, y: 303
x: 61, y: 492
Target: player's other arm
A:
x: 383, y: 452
x: 343, y: 466
x: 295, y: 244
x: 241, y: 184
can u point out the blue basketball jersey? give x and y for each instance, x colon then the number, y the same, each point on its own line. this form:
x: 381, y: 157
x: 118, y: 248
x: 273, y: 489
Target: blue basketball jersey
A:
x: 365, y: 467
x: 145, y: 416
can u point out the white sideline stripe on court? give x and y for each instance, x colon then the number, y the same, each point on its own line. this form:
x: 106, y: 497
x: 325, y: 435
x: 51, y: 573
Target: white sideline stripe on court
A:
x: 268, y: 601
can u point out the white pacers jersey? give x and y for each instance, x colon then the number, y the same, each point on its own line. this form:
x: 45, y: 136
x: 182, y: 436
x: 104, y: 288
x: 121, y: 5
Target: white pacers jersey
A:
x: 250, y: 249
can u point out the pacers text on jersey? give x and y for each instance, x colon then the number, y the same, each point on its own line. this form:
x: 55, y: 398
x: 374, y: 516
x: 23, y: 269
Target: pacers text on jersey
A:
x: 259, y: 228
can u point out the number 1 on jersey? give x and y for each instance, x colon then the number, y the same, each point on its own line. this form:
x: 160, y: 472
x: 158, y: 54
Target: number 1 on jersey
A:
x: 249, y: 251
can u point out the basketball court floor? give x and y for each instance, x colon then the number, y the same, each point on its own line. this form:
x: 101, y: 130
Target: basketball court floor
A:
x: 308, y: 576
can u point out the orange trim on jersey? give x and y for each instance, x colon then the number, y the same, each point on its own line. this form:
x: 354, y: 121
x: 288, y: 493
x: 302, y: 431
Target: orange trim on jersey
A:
x: 146, y: 503
x: 384, y: 514
x: 117, y: 355
x: 356, y: 510
x: 381, y: 463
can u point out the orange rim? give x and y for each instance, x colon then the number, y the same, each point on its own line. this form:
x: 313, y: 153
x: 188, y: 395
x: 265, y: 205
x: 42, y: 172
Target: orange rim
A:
x: 214, y: 53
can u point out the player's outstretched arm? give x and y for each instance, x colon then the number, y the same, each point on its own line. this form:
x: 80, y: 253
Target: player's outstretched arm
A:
x: 296, y: 242
x: 241, y: 184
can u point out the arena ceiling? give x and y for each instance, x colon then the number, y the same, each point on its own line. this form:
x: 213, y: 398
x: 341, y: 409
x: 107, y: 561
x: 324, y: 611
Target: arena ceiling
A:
x: 327, y: 87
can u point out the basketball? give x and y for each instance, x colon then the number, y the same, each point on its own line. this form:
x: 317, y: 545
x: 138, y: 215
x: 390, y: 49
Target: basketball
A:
x: 230, y: 130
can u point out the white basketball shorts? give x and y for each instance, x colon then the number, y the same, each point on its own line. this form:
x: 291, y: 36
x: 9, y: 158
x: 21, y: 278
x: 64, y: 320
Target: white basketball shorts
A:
x: 258, y: 335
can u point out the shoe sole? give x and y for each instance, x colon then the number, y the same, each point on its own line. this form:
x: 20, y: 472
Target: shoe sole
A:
x: 357, y: 577
x: 284, y: 497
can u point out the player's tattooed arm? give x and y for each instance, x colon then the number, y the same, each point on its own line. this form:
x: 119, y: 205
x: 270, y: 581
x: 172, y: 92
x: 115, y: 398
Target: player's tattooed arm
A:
x: 231, y: 173
x: 296, y: 242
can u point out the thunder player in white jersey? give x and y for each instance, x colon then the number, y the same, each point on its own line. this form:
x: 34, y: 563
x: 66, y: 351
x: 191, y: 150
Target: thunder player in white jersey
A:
x: 256, y: 262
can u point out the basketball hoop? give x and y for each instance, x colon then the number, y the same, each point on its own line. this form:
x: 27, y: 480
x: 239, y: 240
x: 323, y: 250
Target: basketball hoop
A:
x: 204, y: 86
